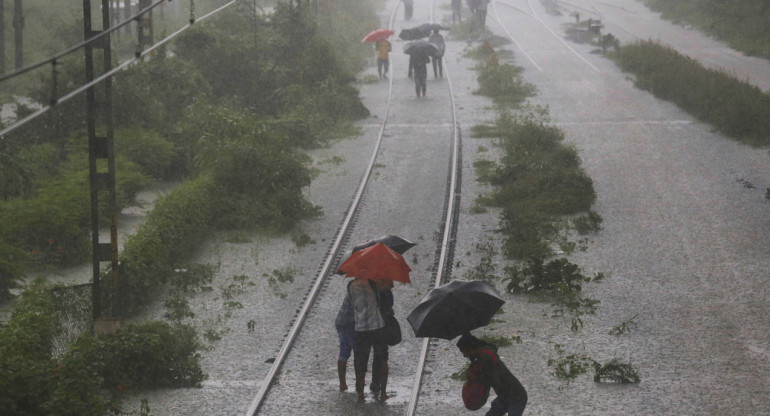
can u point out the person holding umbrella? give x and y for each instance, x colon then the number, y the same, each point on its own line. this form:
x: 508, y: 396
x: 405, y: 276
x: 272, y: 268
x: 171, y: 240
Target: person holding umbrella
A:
x: 511, y: 396
x: 346, y: 332
x: 419, y: 65
x: 369, y: 266
x: 368, y: 319
x: 379, y: 384
x: 438, y: 40
x: 383, y: 48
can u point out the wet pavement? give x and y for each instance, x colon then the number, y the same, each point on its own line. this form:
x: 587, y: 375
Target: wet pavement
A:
x: 685, y: 246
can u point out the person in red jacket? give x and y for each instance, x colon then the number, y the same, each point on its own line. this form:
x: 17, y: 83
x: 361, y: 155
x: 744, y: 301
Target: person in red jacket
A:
x: 511, y: 396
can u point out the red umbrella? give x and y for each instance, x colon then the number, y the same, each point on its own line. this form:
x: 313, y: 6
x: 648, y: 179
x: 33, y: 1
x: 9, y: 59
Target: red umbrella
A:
x: 377, y: 35
x: 377, y: 262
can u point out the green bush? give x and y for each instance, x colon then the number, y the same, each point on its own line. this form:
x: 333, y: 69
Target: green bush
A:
x: 53, y: 224
x: 20, y: 170
x: 743, y: 24
x: 26, y: 368
x: 90, y: 376
x: 174, y: 228
x: 736, y: 108
x: 12, y: 262
x: 537, y: 180
x: 154, y: 94
x: 151, y: 151
x: 504, y: 84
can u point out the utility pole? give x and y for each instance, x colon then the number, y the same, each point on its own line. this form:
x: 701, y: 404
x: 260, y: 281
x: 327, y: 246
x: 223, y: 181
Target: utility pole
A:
x: 18, y: 26
x: 2, y: 37
x: 144, y: 26
x: 100, y: 128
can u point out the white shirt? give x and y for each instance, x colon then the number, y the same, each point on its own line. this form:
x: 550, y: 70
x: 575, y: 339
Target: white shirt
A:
x: 365, y: 307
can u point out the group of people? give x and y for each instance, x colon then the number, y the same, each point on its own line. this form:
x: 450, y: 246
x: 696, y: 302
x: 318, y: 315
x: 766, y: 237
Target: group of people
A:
x: 418, y: 64
x: 359, y: 323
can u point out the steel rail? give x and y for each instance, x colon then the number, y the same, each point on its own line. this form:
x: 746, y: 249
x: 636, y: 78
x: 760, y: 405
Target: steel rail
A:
x: 321, y: 278
x: 99, y: 35
x: 447, y: 246
x: 563, y: 42
x: 108, y: 74
x: 510, y: 36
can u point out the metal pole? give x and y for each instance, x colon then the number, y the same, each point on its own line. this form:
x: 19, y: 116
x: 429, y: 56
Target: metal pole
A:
x: 2, y: 37
x: 18, y: 26
x: 91, y: 128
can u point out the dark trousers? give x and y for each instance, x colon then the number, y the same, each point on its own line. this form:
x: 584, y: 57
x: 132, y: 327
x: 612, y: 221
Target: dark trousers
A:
x: 366, y: 342
x: 438, y: 68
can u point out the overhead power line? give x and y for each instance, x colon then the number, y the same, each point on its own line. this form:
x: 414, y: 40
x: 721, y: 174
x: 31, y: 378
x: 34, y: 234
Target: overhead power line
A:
x: 18, y: 123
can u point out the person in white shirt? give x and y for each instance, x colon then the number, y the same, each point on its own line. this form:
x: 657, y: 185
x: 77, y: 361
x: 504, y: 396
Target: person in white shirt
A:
x: 366, y: 309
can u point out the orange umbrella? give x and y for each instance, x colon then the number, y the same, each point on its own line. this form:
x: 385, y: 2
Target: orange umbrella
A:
x: 377, y: 262
x: 377, y: 35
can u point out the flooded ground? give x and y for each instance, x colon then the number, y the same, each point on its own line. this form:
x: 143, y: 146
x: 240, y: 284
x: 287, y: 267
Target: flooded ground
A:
x: 685, y: 245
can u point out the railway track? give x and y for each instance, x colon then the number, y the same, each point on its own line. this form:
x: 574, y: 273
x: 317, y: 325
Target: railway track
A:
x: 311, y: 345
x: 532, y: 14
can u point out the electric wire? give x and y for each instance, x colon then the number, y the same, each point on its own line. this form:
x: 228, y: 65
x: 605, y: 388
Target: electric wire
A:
x: 108, y: 74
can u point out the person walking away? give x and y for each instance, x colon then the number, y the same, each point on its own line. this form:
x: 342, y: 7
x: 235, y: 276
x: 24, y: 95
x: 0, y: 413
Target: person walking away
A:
x: 366, y: 311
x: 383, y: 49
x: 511, y: 396
x: 408, y: 9
x: 420, y: 69
x: 438, y: 67
x: 457, y: 11
x: 481, y: 11
x: 379, y: 384
x: 346, y: 332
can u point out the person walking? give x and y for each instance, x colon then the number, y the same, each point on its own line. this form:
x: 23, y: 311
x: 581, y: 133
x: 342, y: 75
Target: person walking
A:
x: 511, y: 396
x: 419, y: 63
x: 457, y: 11
x: 346, y: 332
x: 437, y: 59
x: 368, y: 319
x: 481, y: 11
x: 408, y: 9
x: 379, y: 384
x: 383, y: 49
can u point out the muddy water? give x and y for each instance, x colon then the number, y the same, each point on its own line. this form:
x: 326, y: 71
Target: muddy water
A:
x: 684, y: 245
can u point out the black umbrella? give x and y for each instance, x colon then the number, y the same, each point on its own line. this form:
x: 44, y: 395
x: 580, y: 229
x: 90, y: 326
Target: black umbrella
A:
x: 430, y: 27
x: 421, y: 48
x: 455, y: 308
x: 394, y: 242
x: 419, y: 32
x: 414, y: 33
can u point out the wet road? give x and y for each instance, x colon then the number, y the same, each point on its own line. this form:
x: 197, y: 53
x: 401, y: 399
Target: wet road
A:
x: 686, y: 244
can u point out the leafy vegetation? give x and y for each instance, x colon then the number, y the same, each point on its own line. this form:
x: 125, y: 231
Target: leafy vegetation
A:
x: 742, y: 23
x: 569, y: 367
x: 91, y: 376
x: 537, y: 181
x: 736, y: 108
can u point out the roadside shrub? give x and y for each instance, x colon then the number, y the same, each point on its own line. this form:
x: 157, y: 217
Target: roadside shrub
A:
x: 26, y: 369
x: 743, y: 24
x: 150, y: 150
x: 504, y: 84
x: 736, y: 108
x: 53, y: 225
x: 90, y: 377
x: 174, y: 228
x: 22, y: 168
x: 12, y: 262
x: 154, y: 94
x: 539, y: 276
x: 537, y: 180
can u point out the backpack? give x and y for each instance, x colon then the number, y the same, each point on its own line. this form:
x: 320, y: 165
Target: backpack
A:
x: 475, y: 393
